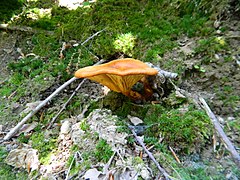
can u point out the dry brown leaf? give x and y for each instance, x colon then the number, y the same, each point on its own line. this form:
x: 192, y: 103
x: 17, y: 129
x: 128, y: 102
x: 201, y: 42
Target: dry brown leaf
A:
x: 23, y: 158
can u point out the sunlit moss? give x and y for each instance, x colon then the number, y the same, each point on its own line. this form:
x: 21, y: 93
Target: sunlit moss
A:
x: 125, y: 43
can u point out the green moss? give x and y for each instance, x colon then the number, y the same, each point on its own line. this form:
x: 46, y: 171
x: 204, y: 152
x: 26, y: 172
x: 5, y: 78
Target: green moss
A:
x: 187, y: 131
x: 103, y: 151
x: 129, y: 108
x: 9, y: 8
x: 45, y: 146
x: 210, y: 46
x: 125, y: 43
x: 173, y: 101
x: 45, y: 45
x: 84, y: 125
x: 27, y: 67
x: 152, y: 31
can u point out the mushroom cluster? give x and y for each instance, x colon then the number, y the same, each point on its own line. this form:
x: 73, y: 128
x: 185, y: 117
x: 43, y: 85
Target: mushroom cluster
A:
x: 120, y: 76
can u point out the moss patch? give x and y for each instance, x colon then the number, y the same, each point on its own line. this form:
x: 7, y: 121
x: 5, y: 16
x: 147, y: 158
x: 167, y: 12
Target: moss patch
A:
x: 187, y: 131
x: 9, y: 8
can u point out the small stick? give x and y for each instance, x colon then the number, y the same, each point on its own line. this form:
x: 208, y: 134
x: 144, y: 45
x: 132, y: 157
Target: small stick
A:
x: 106, y: 167
x: 165, y: 174
x: 174, y: 154
x: 167, y: 74
x: 230, y: 147
x: 65, y: 105
x: 70, y: 168
x: 72, y: 95
x: 42, y: 104
x: 92, y: 36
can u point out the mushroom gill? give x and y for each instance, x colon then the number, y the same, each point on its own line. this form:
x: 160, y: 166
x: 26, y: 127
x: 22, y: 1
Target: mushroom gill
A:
x: 119, y: 75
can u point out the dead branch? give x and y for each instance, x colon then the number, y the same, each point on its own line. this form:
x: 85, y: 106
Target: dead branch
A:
x: 167, y: 74
x: 68, y: 172
x: 93, y: 36
x: 42, y: 104
x: 65, y: 104
x: 230, y: 147
x: 69, y: 99
x: 165, y: 174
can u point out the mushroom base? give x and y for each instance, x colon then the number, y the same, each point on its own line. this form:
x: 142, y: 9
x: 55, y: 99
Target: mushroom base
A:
x: 141, y: 91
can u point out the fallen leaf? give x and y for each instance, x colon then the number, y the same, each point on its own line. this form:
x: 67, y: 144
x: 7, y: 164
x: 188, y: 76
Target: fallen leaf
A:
x: 26, y: 128
x: 23, y: 158
x: 178, y: 94
x: 92, y: 174
x: 30, y: 107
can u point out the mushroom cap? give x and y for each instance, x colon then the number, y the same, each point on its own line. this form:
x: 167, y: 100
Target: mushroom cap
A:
x: 118, y: 75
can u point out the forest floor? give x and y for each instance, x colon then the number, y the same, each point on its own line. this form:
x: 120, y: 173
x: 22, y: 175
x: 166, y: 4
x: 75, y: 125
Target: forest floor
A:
x: 42, y: 47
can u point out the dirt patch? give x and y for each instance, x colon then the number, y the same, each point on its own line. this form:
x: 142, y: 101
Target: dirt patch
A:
x: 216, y: 77
x: 8, y: 52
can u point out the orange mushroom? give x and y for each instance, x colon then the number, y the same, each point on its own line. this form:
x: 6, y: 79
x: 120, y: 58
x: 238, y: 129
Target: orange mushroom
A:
x: 119, y: 75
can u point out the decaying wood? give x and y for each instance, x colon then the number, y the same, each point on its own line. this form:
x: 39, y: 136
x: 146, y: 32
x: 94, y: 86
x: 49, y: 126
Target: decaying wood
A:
x: 166, y: 74
x: 165, y: 174
x: 230, y: 147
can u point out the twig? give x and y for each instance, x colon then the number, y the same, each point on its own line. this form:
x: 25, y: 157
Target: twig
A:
x: 65, y: 105
x: 72, y: 95
x: 92, y: 36
x: 167, y: 74
x: 106, y: 167
x: 34, y: 111
x: 174, y: 154
x: 165, y: 174
x: 70, y: 168
x: 221, y: 133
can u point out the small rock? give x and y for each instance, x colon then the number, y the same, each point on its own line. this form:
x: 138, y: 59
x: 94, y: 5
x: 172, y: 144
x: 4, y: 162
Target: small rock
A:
x: 135, y: 120
x: 77, y: 133
x: 231, y: 118
x: 217, y: 56
x: 216, y: 24
x: 178, y: 94
x: 65, y: 128
x: 221, y: 120
x: 23, y: 158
